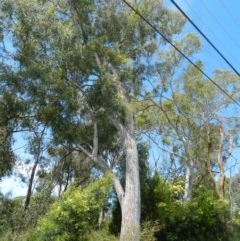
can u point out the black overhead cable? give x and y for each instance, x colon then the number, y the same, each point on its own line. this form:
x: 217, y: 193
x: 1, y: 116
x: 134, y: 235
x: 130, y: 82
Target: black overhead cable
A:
x: 196, y: 14
x: 220, y: 24
x: 184, y: 55
x: 206, y: 38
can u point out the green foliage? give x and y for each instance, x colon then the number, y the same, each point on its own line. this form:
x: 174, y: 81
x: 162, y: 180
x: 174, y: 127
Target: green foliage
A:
x: 143, y: 152
x: 7, y: 157
x: 40, y: 203
x: 149, y: 229
x: 76, y: 213
x: 30, y: 235
x: 10, y: 108
x: 76, y: 63
x: 101, y: 235
x: 198, y: 220
x: 166, y: 217
x: 234, y: 227
x: 11, y: 215
x: 205, y: 217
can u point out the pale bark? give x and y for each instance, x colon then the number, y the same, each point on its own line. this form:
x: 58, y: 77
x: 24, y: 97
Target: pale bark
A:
x: 117, y: 185
x: 221, y: 160
x: 100, y: 218
x: 188, y: 182
x: 129, y: 199
x: 131, y: 202
x: 130, y: 228
x: 221, y: 165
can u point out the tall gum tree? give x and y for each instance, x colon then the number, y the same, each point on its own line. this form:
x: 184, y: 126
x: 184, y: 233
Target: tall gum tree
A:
x: 198, y: 130
x: 82, y: 62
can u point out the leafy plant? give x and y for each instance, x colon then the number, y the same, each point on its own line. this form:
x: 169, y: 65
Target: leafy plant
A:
x: 76, y: 213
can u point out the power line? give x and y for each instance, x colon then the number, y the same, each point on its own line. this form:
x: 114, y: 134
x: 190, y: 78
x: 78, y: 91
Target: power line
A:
x: 220, y: 24
x: 229, y: 13
x: 189, y: 6
x: 18, y: 148
x: 205, y: 37
x: 184, y: 55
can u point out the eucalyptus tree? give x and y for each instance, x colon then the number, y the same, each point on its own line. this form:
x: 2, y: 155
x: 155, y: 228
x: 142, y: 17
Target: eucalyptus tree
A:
x: 7, y: 157
x: 37, y: 147
x: 85, y: 65
x: 198, y: 129
x: 10, y: 110
x: 69, y: 166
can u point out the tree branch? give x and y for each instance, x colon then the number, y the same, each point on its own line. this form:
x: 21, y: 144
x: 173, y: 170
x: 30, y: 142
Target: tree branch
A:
x: 117, y: 185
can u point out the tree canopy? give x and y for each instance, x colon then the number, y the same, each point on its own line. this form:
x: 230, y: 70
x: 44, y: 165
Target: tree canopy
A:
x: 95, y: 89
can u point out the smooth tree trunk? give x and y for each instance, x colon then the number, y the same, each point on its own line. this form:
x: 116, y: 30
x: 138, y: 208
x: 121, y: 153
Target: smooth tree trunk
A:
x: 188, y: 182
x: 36, y: 142
x: 37, y: 156
x: 130, y: 227
x: 30, y: 185
x: 131, y: 200
x: 221, y: 159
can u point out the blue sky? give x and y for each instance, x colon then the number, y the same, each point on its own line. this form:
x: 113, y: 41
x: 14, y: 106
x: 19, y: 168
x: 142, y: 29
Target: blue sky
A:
x: 219, y: 20
x: 13, y: 185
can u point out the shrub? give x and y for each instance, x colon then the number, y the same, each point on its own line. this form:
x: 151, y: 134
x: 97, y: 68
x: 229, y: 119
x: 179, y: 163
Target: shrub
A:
x: 76, y: 213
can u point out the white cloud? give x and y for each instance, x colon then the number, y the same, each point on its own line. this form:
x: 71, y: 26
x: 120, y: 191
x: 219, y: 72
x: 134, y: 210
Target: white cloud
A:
x: 14, y: 186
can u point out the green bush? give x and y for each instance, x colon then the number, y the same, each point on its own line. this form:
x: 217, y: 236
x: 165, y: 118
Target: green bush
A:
x: 100, y: 235
x: 75, y: 214
x: 203, y: 218
x: 234, y: 226
x: 149, y: 229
